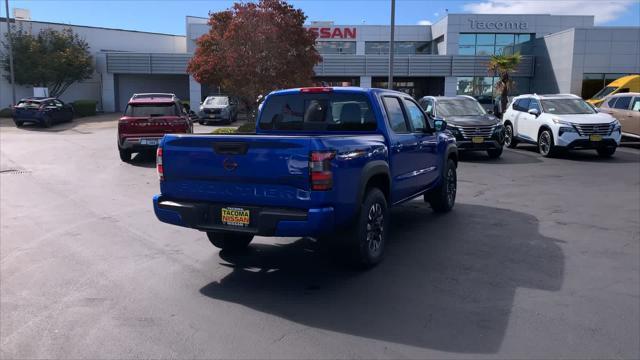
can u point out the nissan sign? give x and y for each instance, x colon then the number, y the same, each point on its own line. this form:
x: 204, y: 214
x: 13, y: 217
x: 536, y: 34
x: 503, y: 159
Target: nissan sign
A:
x: 334, y: 33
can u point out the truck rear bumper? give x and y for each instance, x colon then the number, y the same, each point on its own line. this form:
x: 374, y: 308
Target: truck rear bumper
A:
x: 265, y: 221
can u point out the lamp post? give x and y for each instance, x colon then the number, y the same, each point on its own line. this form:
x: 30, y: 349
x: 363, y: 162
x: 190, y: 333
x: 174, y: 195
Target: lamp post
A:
x: 393, y: 23
x: 12, y: 76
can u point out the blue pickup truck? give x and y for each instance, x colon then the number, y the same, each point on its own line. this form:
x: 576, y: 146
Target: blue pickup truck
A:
x: 324, y: 162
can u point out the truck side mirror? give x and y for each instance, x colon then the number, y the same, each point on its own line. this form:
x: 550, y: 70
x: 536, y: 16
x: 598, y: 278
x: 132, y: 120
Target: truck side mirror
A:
x: 439, y: 124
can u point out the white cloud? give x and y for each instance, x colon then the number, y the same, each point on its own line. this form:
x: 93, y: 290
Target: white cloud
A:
x: 424, y: 22
x: 436, y: 14
x: 604, y: 11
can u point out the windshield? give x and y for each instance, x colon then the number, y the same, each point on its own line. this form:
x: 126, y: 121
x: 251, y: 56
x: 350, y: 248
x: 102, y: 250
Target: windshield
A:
x: 29, y: 104
x: 217, y: 100
x: 604, y: 92
x: 317, y: 112
x: 566, y: 106
x: 459, y: 107
x: 147, y: 110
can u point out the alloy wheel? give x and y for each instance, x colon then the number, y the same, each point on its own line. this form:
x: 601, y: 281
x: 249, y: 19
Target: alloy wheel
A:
x: 375, y: 228
x: 451, y: 186
x: 508, y: 135
x: 544, y: 143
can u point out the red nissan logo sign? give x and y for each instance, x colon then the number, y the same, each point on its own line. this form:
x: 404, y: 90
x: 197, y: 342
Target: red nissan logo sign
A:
x: 334, y: 33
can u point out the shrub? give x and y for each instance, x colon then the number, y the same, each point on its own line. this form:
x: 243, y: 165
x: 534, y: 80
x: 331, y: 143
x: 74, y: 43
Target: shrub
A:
x: 248, y: 128
x: 224, y: 131
x: 5, y: 113
x: 84, y: 107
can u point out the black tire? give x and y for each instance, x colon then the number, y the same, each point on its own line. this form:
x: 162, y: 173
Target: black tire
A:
x: 361, y: 244
x: 229, y: 241
x: 606, y: 152
x: 494, y: 153
x: 509, y: 140
x: 201, y: 122
x: 125, y: 155
x: 18, y: 123
x: 443, y: 198
x: 46, y: 121
x: 546, y: 146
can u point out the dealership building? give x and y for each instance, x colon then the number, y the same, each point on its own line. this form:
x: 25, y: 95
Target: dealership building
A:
x: 560, y: 54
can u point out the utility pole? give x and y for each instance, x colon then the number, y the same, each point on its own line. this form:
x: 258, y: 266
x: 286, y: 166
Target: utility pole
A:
x: 10, y: 39
x: 391, y: 47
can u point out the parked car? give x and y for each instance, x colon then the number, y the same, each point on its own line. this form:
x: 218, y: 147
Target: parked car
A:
x: 147, y: 118
x: 41, y: 110
x: 340, y: 158
x: 473, y: 128
x: 625, y: 108
x: 218, y: 109
x: 625, y: 84
x: 557, y: 122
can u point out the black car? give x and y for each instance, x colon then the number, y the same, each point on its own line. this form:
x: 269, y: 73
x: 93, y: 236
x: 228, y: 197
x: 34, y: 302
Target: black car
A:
x: 43, y: 111
x: 474, y: 128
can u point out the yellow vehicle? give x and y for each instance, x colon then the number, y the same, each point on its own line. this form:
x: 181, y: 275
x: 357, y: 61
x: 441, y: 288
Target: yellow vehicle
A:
x: 625, y: 84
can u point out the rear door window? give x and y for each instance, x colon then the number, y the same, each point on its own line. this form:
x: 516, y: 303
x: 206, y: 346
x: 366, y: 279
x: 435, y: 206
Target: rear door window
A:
x: 151, y: 110
x: 317, y: 112
x: 395, y: 114
x: 611, y: 102
x: 623, y: 103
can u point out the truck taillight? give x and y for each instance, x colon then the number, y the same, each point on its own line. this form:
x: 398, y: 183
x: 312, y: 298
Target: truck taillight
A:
x: 320, y: 174
x: 159, y: 164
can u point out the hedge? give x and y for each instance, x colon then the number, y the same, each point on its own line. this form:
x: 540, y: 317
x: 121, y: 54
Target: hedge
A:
x: 248, y: 128
x: 84, y: 107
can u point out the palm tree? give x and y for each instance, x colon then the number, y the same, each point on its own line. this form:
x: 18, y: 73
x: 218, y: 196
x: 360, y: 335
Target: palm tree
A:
x: 503, y: 66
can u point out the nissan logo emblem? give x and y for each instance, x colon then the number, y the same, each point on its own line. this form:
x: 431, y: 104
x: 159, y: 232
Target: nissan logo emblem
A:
x: 229, y: 164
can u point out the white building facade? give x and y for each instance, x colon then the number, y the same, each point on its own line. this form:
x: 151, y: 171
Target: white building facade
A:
x: 561, y: 54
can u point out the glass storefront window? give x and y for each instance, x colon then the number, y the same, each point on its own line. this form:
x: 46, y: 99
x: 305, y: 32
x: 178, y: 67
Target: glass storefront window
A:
x: 465, y: 86
x: 467, y: 39
x: 493, y: 44
x: 483, y: 87
x: 485, y: 39
x: 336, y: 47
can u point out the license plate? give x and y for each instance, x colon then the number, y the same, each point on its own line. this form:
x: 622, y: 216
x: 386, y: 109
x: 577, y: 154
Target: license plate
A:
x: 212, y: 116
x: 477, y: 140
x: 235, y: 216
x: 149, y: 142
x: 595, y: 138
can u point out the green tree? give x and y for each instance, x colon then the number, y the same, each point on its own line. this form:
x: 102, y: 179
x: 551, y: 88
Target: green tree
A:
x: 52, y: 59
x: 254, y: 48
x: 503, y: 66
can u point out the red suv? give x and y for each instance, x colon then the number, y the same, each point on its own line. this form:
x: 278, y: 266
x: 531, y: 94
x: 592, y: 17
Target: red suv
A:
x: 145, y: 121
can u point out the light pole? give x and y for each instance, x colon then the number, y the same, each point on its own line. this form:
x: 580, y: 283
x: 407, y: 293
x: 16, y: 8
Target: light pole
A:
x: 393, y: 23
x: 9, y: 38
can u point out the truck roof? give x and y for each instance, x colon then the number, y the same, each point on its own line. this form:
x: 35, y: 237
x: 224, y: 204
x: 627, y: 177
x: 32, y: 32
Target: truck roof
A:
x: 337, y: 89
x: 152, y: 100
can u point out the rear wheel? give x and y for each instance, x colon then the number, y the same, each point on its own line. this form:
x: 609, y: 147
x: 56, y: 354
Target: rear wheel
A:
x: 606, y: 151
x: 443, y: 197
x: 509, y: 140
x: 546, y: 146
x: 495, y: 153
x: 46, y: 121
x: 362, y: 244
x: 229, y: 241
x: 201, y: 122
x: 18, y: 123
x: 125, y: 155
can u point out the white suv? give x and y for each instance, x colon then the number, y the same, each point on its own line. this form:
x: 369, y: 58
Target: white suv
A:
x: 557, y: 122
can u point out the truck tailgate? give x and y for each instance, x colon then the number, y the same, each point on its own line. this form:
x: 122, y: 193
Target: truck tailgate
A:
x: 236, y: 169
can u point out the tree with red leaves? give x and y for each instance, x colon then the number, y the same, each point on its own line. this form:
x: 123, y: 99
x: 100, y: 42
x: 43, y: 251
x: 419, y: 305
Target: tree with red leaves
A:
x: 254, y: 48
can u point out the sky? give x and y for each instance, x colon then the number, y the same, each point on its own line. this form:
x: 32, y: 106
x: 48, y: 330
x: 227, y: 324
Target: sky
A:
x: 168, y: 16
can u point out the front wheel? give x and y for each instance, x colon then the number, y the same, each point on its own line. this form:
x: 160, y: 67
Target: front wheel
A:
x: 443, y: 197
x: 46, y: 121
x: 494, y: 153
x: 546, y: 146
x: 18, y: 123
x: 125, y: 155
x: 229, y: 241
x: 606, y: 151
x: 509, y: 140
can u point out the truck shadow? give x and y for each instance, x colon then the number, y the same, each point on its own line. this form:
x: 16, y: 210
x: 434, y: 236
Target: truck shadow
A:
x: 447, y: 283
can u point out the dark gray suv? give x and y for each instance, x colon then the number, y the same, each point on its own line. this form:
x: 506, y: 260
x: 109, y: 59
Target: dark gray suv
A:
x: 468, y: 121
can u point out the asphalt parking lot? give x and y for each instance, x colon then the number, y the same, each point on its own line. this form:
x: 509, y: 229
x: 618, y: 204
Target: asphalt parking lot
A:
x: 539, y: 259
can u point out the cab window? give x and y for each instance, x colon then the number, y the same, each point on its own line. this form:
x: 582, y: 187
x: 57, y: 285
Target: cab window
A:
x: 611, y: 102
x: 521, y: 105
x: 397, y: 121
x: 416, y: 116
x: 636, y: 104
x: 533, y: 104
